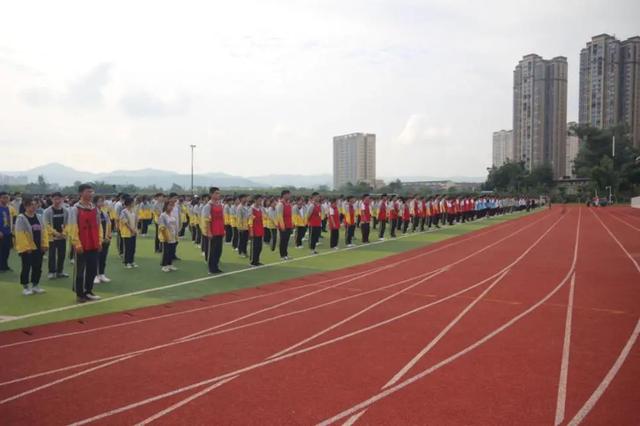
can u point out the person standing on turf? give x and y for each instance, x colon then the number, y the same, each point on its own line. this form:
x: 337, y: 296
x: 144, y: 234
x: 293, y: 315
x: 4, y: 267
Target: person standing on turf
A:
x: 6, y: 231
x: 256, y: 230
x: 314, y: 219
x: 128, y: 230
x: 242, y: 220
x: 86, y: 237
x: 55, y: 219
x: 168, y: 233
x: 284, y: 221
x: 365, y: 218
x: 105, y: 224
x: 31, y: 244
x: 334, y: 224
x: 382, y: 215
x: 349, y: 221
x: 216, y: 231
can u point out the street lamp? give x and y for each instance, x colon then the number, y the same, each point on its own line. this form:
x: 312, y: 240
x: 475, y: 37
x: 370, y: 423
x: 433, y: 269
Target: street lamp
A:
x: 192, y: 147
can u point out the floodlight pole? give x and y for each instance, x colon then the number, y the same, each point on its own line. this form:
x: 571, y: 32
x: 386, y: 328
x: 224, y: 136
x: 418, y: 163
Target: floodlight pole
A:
x: 192, y: 147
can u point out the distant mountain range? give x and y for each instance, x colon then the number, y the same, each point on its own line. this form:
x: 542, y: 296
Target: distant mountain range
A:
x: 64, y: 176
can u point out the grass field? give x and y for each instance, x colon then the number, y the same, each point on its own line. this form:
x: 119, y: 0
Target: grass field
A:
x: 58, y: 303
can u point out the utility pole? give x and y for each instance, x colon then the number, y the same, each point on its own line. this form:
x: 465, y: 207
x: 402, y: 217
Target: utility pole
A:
x: 192, y: 147
x: 613, y: 147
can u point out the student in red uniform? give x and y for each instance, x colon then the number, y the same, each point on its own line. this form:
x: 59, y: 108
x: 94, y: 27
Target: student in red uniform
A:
x: 314, y: 221
x: 284, y: 222
x: 406, y: 214
x: 365, y: 218
x: 256, y: 230
x: 86, y: 238
x: 334, y: 224
x: 393, y: 215
x: 216, y: 231
x: 382, y: 215
x: 349, y: 221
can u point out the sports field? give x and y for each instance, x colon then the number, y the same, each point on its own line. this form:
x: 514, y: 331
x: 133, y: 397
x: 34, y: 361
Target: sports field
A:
x: 530, y: 321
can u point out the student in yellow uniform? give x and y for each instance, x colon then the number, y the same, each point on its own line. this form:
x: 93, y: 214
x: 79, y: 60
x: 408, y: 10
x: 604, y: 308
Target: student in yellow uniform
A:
x: 105, y: 224
x: 128, y: 230
x: 299, y: 216
x: 31, y: 243
x: 168, y: 234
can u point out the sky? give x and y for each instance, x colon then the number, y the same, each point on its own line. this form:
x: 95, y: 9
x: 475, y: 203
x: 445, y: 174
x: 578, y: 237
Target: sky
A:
x: 261, y: 87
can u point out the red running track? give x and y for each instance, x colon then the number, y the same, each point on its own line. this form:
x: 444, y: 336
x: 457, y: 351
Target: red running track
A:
x: 529, y: 322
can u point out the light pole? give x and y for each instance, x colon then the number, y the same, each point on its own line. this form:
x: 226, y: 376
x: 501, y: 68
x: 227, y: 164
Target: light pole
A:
x: 192, y: 147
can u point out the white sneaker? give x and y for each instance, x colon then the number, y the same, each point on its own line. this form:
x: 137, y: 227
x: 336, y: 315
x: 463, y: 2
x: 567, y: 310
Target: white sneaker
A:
x: 36, y: 289
x: 104, y: 279
x: 27, y: 291
x: 381, y: 239
x: 128, y: 266
x: 173, y: 268
x: 92, y: 297
x: 135, y: 265
x: 51, y: 276
x: 96, y: 280
x: 165, y: 269
x: 72, y: 261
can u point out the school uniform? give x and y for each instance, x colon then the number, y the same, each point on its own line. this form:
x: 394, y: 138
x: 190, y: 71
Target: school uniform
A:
x: 256, y: 232
x: 382, y: 218
x: 105, y: 224
x: 127, y: 226
x: 365, y: 221
x: 349, y: 223
x: 55, y: 222
x: 314, y: 220
x: 334, y: 226
x: 168, y: 229
x: 85, y: 232
x: 284, y: 221
x: 31, y: 242
x: 216, y: 236
x: 242, y: 223
x: 6, y: 227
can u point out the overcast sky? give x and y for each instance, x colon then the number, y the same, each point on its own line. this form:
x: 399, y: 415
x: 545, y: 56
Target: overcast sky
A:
x: 262, y: 86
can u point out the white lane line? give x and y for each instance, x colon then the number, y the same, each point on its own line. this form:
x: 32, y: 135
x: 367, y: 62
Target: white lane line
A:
x: 368, y: 272
x: 611, y: 374
x: 301, y: 351
x: 389, y: 391
x: 64, y: 379
x: 183, y: 402
x: 606, y: 381
x: 173, y: 314
x: 354, y: 418
x: 442, y: 333
x: 625, y: 222
x: 564, y: 364
x: 357, y: 314
x: 197, y: 280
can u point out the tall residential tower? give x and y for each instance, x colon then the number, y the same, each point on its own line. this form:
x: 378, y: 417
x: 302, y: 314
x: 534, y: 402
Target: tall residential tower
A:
x: 502, y: 147
x: 354, y: 159
x: 540, y: 112
x: 610, y: 83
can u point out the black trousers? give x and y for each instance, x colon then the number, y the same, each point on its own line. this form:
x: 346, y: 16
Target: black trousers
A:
x: 5, y: 249
x: 274, y: 238
x: 215, y: 252
x: 198, y: 234
x: 183, y: 229
x: 31, y: 267
x: 365, y: 228
x: 394, y: 225
x: 315, y: 236
x: 415, y: 223
x: 375, y: 223
x: 284, y: 242
x: 300, y: 231
x: 351, y: 229
x: 129, y: 249
x: 102, y: 258
x: 168, y: 253
x: 243, y: 240
x: 85, y: 271
x: 156, y: 242
x: 405, y: 225
x: 267, y: 235
x: 335, y: 237
x: 205, y: 245
x: 193, y: 228
x: 256, y: 249
x: 383, y: 226
x: 234, y: 237
x: 120, y: 244
x: 57, y: 252
x: 145, y: 226
x: 228, y: 233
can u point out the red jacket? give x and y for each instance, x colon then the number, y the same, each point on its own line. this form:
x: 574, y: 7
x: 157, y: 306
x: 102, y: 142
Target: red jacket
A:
x: 315, y: 219
x: 257, y: 227
x: 216, y: 226
x: 382, y: 211
x: 88, y: 229
x: 365, y: 214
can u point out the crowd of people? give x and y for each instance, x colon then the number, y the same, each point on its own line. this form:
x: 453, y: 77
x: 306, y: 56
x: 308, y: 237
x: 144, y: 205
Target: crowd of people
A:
x: 85, y: 225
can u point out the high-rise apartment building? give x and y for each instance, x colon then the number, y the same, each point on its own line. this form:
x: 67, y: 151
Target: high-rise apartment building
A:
x: 502, y: 147
x: 573, y: 146
x: 354, y: 159
x: 610, y: 83
x: 540, y: 112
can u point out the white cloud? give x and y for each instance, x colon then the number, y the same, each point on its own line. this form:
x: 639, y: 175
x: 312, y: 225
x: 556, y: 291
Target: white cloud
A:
x: 418, y: 129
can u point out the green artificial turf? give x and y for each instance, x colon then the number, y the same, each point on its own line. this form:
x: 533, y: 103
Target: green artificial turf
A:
x: 149, y: 276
